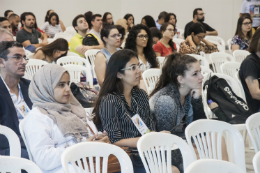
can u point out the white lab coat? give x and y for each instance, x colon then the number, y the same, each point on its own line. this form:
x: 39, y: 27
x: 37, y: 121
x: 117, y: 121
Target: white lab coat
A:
x: 46, y: 142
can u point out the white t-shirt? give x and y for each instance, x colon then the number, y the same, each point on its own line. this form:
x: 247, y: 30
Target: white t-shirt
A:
x: 51, y: 30
x: 92, y: 31
x: 253, y: 8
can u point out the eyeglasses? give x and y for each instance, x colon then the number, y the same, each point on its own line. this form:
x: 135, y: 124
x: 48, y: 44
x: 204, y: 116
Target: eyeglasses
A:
x: 171, y: 30
x: 133, y: 67
x: 248, y: 23
x: 18, y: 57
x: 143, y: 36
x: 116, y: 36
x: 201, y: 38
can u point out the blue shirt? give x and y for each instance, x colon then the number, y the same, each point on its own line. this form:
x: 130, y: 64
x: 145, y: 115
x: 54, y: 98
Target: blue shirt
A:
x: 158, y: 26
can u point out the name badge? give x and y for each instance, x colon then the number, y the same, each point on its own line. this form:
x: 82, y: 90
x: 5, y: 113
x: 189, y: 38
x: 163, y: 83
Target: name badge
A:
x: 23, y: 108
x: 202, y: 53
x: 256, y: 10
x: 139, y: 124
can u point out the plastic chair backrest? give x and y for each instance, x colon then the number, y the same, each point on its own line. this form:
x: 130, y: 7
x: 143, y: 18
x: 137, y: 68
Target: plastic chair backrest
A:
x: 150, y: 77
x: 240, y: 55
x: 219, y: 46
x: 13, y: 165
x: 203, y: 60
x: 217, y: 39
x: 256, y: 162
x: 153, y: 146
x: 219, y: 58
x: 14, y: 142
x: 237, y: 79
x: 123, y: 45
x: 89, y: 111
x: 90, y: 150
x: 63, y: 35
x: 205, y: 70
x: 72, y: 54
x: 213, y: 166
x: 75, y: 72
x: 230, y: 68
x: 177, y: 41
x: 30, y: 56
x: 32, y: 66
x: 91, y: 55
x: 27, y: 52
x: 71, y: 32
x: 161, y: 60
x: 253, y: 128
x: 24, y: 139
x: 229, y: 45
x: 69, y: 28
x: 181, y: 32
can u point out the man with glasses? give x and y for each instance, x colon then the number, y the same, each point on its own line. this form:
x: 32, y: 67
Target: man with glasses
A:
x: 198, y: 17
x: 14, y: 100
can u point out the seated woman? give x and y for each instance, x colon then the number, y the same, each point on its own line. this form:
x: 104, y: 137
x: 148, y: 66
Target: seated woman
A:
x: 121, y: 30
x: 171, y: 18
x: 52, y: 26
x: 140, y: 41
x: 165, y: 46
x: 148, y: 21
x: 108, y: 18
x: 156, y: 34
x: 111, y: 39
x: 53, y: 51
x: 57, y: 120
x: 176, y: 100
x: 196, y: 43
x: 243, y: 34
x: 130, y: 21
x: 120, y: 100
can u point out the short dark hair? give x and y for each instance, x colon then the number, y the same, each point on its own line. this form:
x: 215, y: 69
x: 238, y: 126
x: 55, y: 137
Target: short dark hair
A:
x: 121, y: 30
x: 149, y: 21
x: 162, y: 14
x: 13, y: 15
x: 93, y: 17
x: 5, y: 45
x: 195, y: 12
x: 156, y: 32
x: 87, y: 16
x: 57, y: 18
x: 3, y: 19
x: 196, y: 28
x: 6, y: 12
x: 74, y: 21
x: 105, y: 32
x: 23, y: 18
x: 254, y: 45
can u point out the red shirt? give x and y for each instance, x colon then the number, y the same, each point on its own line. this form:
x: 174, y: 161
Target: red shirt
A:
x: 164, y: 51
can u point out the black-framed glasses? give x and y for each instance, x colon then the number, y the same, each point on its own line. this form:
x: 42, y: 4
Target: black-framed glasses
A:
x: 247, y: 23
x: 143, y: 36
x: 116, y: 36
x: 133, y: 67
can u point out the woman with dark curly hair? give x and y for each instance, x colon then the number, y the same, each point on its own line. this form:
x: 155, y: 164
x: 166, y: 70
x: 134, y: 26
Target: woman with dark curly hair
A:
x: 130, y: 20
x: 140, y: 41
x: 148, y: 21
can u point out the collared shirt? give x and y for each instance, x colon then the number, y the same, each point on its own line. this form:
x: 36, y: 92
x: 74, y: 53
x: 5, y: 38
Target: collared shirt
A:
x: 23, y: 35
x: 158, y: 26
x: 16, y: 100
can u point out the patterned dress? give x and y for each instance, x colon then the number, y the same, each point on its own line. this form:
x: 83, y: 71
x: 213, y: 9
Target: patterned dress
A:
x: 243, y: 44
x: 185, y: 48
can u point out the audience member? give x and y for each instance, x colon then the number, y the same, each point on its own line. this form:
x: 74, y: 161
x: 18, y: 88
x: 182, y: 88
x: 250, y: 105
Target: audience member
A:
x: 8, y: 13
x: 140, y: 41
x: 53, y: 51
x: 160, y: 19
x: 165, y: 46
x: 49, y: 12
x: 121, y: 30
x: 46, y: 19
x: 198, y: 17
x: 87, y: 16
x: 4, y: 23
x: 28, y: 36
x: 13, y: 92
x: 57, y: 120
x: 52, y: 26
x: 81, y: 26
x: 111, y: 39
x: 14, y: 20
x: 156, y: 34
x: 193, y: 43
x: 249, y: 74
x: 176, y: 100
x: 243, y: 33
x: 130, y: 21
x: 35, y: 26
x: 108, y: 18
x: 96, y: 22
x: 251, y: 7
x: 148, y: 21
x: 5, y: 35
x: 171, y: 18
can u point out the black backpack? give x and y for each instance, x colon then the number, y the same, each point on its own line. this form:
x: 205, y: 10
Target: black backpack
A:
x: 90, y: 40
x: 234, y: 107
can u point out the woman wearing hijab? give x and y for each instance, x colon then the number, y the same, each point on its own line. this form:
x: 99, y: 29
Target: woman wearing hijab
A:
x: 56, y: 121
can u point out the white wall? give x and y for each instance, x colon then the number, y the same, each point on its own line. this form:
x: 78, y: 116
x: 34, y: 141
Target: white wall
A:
x: 220, y: 14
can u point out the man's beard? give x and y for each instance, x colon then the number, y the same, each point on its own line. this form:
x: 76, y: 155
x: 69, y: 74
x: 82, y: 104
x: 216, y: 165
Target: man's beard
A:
x: 201, y: 20
x: 30, y: 26
x: 13, y: 26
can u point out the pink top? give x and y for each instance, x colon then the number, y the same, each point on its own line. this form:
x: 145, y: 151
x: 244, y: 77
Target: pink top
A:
x: 164, y: 51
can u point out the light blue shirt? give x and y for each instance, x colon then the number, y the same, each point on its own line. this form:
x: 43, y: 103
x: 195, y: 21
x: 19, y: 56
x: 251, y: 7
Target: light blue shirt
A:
x: 158, y: 26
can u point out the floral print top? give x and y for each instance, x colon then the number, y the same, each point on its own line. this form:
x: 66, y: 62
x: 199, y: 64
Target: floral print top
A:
x: 185, y: 48
x: 243, y: 44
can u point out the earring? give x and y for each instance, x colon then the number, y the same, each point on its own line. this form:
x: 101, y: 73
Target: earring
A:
x: 182, y: 86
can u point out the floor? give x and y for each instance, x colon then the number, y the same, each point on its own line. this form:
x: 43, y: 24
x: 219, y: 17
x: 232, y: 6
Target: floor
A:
x: 249, y: 157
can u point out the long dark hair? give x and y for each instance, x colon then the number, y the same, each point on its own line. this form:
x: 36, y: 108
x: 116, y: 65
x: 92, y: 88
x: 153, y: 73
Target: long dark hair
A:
x: 163, y: 29
x: 149, y: 21
x: 57, y: 18
x: 126, y: 17
x: 148, y: 50
x: 176, y: 64
x: 47, y: 16
x: 111, y: 83
x: 105, y: 32
x: 87, y: 16
x: 168, y: 16
x: 58, y: 44
x: 239, y: 26
x: 104, y: 19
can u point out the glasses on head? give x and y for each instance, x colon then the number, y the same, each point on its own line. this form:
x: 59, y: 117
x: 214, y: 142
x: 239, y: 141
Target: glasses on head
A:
x: 200, y: 37
x: 133, y: 67
x: 143, y: 36
x: 116, y: 36
x: 171, y: 30
x: 18, y: 57
x: 247, y: 23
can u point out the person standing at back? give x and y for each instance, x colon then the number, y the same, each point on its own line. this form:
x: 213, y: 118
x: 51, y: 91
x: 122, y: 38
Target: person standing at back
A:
x: 198, y: 17
x: 96, y: 21
x: 160, y: 19
x: 253, y: 8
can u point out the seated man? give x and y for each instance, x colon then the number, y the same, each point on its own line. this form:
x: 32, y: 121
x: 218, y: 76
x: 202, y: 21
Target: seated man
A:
x: 8, y: 13
x: 14, y: 20
x: 81, y: 26
x: 5, y: 35
x: 96, y: 22
x: 13, y: 92
x: 4, y: 23
x: 198, y: 17
x: 28, y: 36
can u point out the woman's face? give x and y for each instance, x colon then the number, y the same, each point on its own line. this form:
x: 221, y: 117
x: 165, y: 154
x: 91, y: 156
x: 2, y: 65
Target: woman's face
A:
x: 143, y: 22
x: 130, y: 21
x: 58, y: 53
x: 113, y: 38
x: 132, y: 77
x: 246, y: 25
x: 53, y: 20
x: 172, y: 19
x: 198, y: 38
x: 142, y: 38
x: 193, y: 77
x: 109, y: 19
x: 62, y: 90
x: 169, y: 32
x: 155, y: 40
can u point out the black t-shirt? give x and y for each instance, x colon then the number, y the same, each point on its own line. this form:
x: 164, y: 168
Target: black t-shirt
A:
x: 187, y: 27
x: 250, y: 67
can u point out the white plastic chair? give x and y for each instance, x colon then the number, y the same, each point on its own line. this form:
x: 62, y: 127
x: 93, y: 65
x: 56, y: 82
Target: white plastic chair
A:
x: 177, y: 41
x: 14, y: 142
x: 71, y: 32
x: 217, y: 39
x: 90, y: 150
x: 203, y: 60
x: 91, y: 55
x: 63, y: 35
x: 237, y: 79
x: 14, y: 164
x: 150, y: 77
x: 213, y: 166
x: 252, y: 125
x: 219, y: 58
x: 72, y: 54
x: 27, y: 52
x: 75, y: 72
x: 76, y: 60
x: 230, y: 68
x: 206, y: 145
x: 69, y: 28
x: 89, y: 111
x: 229, y: 45
x: 181, y: 33
x: 24, y: 139
x: 152, y: 148
x: 178, y: 47
x: 32, y: 66
x: 240, y: 55
x: 219, y: 46
x: 14, y: 37
x: 205, y: 70
x: 256, y: 162
x: 30, y: 56
x: 123, y: 45
x: 161, y: 60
